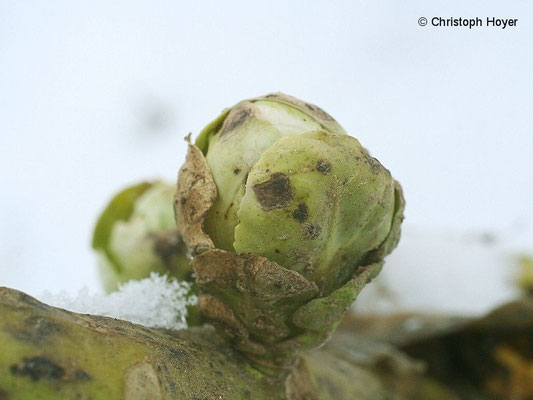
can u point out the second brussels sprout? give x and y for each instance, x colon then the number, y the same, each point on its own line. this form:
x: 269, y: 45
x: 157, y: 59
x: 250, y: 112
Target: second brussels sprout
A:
x: 136, y: 235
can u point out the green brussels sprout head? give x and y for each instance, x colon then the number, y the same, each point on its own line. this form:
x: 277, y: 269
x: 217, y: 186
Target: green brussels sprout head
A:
x: 136, y: 235
x: 283, y: 209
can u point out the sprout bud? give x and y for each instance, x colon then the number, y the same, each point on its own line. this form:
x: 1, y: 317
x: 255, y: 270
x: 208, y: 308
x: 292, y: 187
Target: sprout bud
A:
x: 288, y: 218
x: 136, y: 235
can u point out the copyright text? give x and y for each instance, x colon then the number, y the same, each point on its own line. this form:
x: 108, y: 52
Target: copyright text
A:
x: 470, y: 23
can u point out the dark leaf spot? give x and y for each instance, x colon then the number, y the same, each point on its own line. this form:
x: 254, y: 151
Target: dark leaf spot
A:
x: 38, y: 368
x: 319, y: 112
x: 235, y: 119
x: 372, y: 162
x: 323, y: 166
x: 300, y: 213
x: 274, y: 193
x: 227, y: 211
x: 166, y: 246
x: 311, y: 231
x: 236, y: 171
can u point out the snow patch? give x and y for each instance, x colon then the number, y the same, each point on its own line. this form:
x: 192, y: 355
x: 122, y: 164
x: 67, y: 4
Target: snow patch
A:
x: 157, y: 301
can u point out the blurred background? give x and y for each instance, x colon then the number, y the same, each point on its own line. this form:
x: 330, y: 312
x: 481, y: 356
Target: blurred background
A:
x: 98, y: 95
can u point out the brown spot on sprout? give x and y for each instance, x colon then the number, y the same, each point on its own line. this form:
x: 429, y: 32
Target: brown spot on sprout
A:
x: 372, y: 162
x: 318, y: 111
x: 323, y: 166
x: 311, y: 231
x: 235, y: 119
x: 301, y: 213
x: 274, y: 193
x: 227, y: 211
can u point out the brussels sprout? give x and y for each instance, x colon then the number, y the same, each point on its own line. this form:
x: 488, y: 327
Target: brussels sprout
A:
x: 288, y: 218
x: 136, y: 235
x: 237, y: 141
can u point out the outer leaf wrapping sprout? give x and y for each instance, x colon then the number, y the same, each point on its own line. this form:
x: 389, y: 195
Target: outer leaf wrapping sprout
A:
x: 287, y: 218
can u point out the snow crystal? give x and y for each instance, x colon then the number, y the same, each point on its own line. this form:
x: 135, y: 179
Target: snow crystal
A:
x: 157, y: 301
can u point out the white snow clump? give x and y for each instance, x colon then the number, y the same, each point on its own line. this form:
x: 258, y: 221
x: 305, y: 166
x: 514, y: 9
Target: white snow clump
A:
x: 157, y: 301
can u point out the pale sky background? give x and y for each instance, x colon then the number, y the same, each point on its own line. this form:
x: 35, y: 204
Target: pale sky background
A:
x: 97, y: 95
